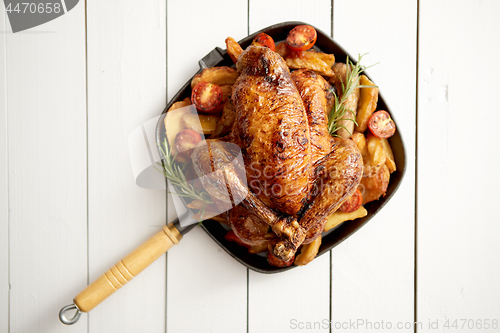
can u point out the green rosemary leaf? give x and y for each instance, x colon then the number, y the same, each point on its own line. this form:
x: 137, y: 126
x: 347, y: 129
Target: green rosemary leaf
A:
x: 175, y: 174
x: 339, y: 110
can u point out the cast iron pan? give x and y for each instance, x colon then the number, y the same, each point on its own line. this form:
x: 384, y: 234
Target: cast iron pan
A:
x: 258, y: 263
x: 158, y: 244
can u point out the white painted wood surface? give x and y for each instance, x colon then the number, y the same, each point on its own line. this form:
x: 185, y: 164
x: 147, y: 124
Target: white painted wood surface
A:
x: 374, y: 268
x: 4, y: 191
x: 458, y: 231
x: 206, y: 288
x: 302, y: 294
x: 126, y: 87
x: 47, y: 182
x: 70, y: 208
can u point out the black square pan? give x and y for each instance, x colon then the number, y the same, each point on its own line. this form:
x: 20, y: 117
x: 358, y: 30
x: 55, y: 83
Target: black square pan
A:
x: 258, y: 263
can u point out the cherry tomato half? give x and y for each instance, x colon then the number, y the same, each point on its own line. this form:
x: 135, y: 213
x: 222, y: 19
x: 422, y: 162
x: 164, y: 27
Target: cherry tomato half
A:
x: 185, y: 141
x: 264, y: 39
x: 301, y: 38
x: 352, y: 203
x: 381, y: 125
x: 206, y: 97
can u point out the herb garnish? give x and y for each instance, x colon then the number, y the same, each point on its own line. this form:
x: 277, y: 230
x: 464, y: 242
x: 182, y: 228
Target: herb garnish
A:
x: 339, y: 110
x: 175, y: 174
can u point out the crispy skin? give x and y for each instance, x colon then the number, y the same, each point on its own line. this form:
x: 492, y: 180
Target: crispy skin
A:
x: 272, y: 130
x: 337, y: 177
x: 311, y: 87
x: 222, y: 177
x: 248, y: 226
x: 315, y: 230
x: 297, y: 174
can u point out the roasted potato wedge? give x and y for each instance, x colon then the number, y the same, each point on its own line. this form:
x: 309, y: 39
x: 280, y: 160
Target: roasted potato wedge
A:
x: 308, y: 252
x: 368, y: 99
x: 391, y: 164
x: 329, y: 59
x: 174, y: 121
x: 338, y: 217
x: 201, y: 123
x: 376, y: 155
x: 220, y: 76
x: 317, y: 61
x: 375, y: 185
x: 226, y: 92
x: 177, y: 105
x: 360, y: 141
x: 233, y: 49
x: 226, y: 121
x: 282, y: 49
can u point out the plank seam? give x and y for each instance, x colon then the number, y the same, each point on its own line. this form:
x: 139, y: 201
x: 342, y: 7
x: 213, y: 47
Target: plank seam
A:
x: 8, y: 170
x: 248, y: 272
x: 331, y: 291
x: 166, y: 196
x: 415, y: 254
x: 331, y: 14
x: 330, y: 317
x: 248, y: 300
x: 87, y: 152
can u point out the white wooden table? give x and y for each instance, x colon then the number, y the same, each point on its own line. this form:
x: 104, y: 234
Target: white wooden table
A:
x: 73, y: 89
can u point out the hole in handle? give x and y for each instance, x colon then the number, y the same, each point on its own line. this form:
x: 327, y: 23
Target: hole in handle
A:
x: 68, y: 308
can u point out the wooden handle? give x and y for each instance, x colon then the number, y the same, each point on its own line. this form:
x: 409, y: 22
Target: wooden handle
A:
x: 127, y: 268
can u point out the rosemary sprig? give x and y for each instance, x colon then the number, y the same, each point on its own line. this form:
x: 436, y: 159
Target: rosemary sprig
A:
x: 175, y: 174
x: 339, y: 110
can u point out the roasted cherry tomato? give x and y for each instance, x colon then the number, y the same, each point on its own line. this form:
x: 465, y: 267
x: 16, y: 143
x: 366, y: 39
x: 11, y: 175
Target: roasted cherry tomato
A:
x: 352, y: 203
x: 276, y: 262
x: 301, y: 38
x: 185, y: 141
x: 381, y: 125
x: 231, y: 236
x: 207, y: 97
x: 264, y: 39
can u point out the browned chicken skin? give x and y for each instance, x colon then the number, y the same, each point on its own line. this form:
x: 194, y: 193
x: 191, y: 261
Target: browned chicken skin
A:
x: 248, y: 226
x: 312, y: 87
x: 336, y: 177
x: 272, y: 130
x: 297, y: 173
x: 221, y: 175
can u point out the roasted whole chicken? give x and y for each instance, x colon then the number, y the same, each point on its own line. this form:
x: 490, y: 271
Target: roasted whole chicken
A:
x: 295, y: 174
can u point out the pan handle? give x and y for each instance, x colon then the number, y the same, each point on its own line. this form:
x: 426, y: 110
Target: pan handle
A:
x: 127, y: 268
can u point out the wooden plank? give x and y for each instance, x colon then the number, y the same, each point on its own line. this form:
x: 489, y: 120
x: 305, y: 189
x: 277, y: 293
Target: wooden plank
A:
x: 206, y: 288
x: 375, y: 267
x: 318, y: 14
x: 126, y: 87
x: 458, y: 233
x: 187, y: 43
x: 290, y: 301
x: 4, y: 183
x: 47, y: 171
x: 287, y: 301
